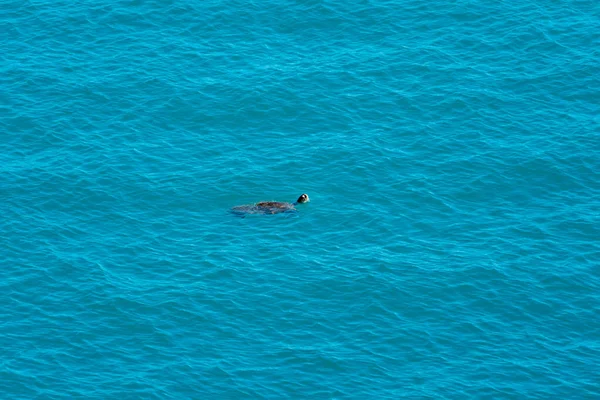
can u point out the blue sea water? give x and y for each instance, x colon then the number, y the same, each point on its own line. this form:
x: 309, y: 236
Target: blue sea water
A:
x: 451, y: 248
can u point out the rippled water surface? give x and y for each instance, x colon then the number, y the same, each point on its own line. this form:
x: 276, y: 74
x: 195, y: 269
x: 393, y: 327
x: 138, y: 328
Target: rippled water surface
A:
x: 451, y: 151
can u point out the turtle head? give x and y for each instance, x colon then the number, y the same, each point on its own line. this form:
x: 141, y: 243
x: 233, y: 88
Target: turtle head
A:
x: 303, y: 199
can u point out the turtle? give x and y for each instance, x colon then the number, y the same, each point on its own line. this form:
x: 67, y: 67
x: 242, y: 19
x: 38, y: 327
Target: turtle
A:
x: 270, y: 207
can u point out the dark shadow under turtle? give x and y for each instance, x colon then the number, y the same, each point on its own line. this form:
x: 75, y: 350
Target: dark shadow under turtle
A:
x: 269, y: 207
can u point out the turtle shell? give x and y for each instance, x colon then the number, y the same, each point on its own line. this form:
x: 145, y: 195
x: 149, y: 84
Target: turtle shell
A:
x: 264, y: 207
